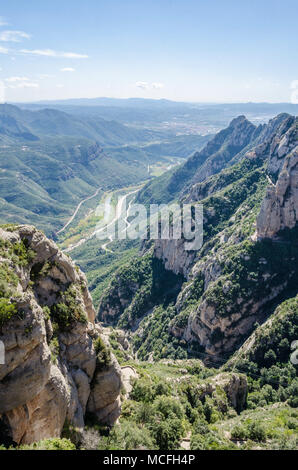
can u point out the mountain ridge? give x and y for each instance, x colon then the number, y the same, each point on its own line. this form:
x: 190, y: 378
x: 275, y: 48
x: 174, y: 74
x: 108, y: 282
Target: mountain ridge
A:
x: 220, y: 301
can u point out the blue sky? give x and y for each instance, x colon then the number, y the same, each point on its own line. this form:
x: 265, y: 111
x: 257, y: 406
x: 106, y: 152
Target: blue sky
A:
x: 192, y: 50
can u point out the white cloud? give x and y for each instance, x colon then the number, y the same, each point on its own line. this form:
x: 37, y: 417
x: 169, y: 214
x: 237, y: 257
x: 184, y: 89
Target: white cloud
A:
x: 67, y: 69
x: 42, y: 52
x: 157, y: 85
x: 52, y: 53
x: 3, y: 50
x: 60, y: 85
x: 148, y: 86
x: 73, y: 55
x: 44, y: 76
x: 143, y: 85
x: 24, y: 85
x: 16, y: 79
x: 13, y: 36
x: 20, y: 82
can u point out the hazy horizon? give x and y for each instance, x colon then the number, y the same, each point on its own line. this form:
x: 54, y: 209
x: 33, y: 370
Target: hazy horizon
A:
x: 83, y: 98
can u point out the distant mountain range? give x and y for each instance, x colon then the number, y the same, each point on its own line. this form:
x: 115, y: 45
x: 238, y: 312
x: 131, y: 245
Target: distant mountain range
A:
x: 50, y: 160
x: 166, y: 114
x: 33, y: 125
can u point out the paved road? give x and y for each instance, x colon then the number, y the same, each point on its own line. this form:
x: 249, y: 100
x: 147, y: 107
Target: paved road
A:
x: 97, y: 231
x: 118, y: 215
x: 77, y: 210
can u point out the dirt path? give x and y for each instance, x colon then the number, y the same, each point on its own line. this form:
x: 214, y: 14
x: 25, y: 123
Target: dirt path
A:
x: 77, y: 210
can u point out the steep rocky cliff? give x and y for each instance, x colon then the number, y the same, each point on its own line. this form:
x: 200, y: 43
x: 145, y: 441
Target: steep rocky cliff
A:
x: 242, y: 271
x: 222, y: 149
x: 243, y: 278
x: 56, y: 368
x: 279, y: 208
x: 219, y: 153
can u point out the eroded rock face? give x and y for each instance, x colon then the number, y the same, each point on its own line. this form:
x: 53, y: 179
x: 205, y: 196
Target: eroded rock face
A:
x: 220, y: 335
x: 27, y: 357
x: 217, y: 154
x: 234, y: 385
x: 221, y: 314
x: 282, y: 144
x: 114, y: 305
x: 174, y: 256
x: 45, y: 414
x: 104, y: 399
x: 50, y: 365
x: 280, y: 206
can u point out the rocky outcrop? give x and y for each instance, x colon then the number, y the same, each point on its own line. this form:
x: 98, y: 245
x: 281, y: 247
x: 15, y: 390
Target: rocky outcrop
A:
x: 282, y: 324
x: 221, y: 310
x: 282, y: 143
x: 217, y: 334
x: 272, y: 143
x: 234, y: 386
x: 104, y: 399
x: 221, y: 150
x: 279, y: 209
x: 174, y: 256
x: 129, y: 374
x: 233, y: 281
x: 50, y: 372
x: 118, y: 299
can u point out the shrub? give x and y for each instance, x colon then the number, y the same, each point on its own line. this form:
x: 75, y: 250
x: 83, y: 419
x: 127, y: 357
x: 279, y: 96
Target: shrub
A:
x: 55, y: 349
x: 90, y: 439
x: 168, y: 407
x: 24, y: 254
x: 7, y: 311
x: 50, y: 444
x: 143, y: 391
x: 127, y: 436
x: 239, y: 432
x: 144, y: 413
x: 210, y: 411
x: 210, y: 441
x: 167, y: 432
x: 68, y: 310
x: 47, y: 312
x: 200, y: 427
x: 103, y: 354
x: 256, y: 431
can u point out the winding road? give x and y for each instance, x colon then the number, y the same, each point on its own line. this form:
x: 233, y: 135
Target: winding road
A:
x: 105, y: 227
x: 104, y: 246
x: 77, y: 210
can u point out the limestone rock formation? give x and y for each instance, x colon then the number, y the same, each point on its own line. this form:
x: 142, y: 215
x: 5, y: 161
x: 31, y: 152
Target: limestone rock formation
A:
x: 47, y: 327
x: 235, y: 278
x: 279, y: 209
x: 221, y: 150
x: 224, y: 313
x: 174, y: 256
x: 104, y: 399
x: 234, y: 385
